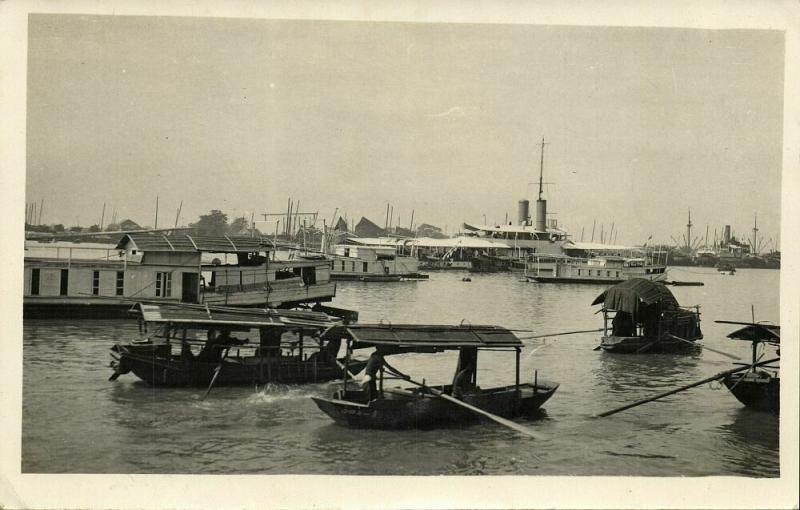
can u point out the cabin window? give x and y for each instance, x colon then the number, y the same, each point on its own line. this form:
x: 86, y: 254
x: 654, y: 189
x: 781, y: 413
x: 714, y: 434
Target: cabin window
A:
x: 353, y: 267
x: 579, y: 272
x: 35, y: 281
x: 64, y: 286
x: 343, y: 265
x: 95, y: 283
x: 163, y: 284
x: 364, y: 267
x: 120, y: 283
x: 347, y: 252
x: 617, y: 273
x: 608, y: 273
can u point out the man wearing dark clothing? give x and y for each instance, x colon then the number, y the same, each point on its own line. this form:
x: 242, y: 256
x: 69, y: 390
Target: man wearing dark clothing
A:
x: 374, y: 365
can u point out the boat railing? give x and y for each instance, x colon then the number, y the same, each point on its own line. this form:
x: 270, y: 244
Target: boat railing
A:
x: 76, y: 254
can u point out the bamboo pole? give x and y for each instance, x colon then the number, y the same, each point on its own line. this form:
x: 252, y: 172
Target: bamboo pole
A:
x: 686, y: 387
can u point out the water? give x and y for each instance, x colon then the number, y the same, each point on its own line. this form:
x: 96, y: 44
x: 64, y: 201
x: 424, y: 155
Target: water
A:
x: 76, y: 421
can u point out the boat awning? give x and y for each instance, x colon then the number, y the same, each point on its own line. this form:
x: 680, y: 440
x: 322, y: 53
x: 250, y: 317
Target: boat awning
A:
x: 200, y: 317
x: 629, y: 295
x: 193, y: 243
x: 425, y: 338
x: 758, y: 333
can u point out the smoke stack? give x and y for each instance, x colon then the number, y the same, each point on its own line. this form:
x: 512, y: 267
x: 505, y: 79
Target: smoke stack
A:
x: 727, y: 236
x: 523, y: 212
x: 541, y: 215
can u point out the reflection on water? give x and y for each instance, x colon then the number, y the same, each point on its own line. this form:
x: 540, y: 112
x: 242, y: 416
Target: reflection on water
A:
x: 75, y: 420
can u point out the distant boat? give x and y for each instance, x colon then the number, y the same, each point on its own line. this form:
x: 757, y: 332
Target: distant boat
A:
x: 646, y: 317
x: 728, y: 269
x: 758, y: 387
x: 373, y: 260
x: 597, y: 270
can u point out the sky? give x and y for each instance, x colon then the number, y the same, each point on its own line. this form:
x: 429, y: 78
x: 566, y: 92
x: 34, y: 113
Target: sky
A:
x: 641, y: 124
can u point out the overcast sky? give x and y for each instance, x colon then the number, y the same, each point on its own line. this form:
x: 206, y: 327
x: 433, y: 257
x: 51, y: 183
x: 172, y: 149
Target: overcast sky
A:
x: 444, y: 119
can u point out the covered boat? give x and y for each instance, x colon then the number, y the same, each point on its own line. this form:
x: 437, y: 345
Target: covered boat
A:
x: 191, y: 345
x: 758, y: 387
x: 425, y: 406
x: 646, y: 317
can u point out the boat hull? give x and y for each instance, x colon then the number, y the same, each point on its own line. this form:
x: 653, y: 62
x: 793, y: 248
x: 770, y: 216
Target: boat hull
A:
x: 641, y: 345
x: 154, y: 365
x: 759, y: 390
x: 412, y: 409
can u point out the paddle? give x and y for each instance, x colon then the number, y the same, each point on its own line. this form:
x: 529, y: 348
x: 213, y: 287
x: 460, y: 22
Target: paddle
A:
x: 686, y: 387
x: 502, y: 421
x: 560, y: 334
x: 704, y: 346
x: 216, y: 373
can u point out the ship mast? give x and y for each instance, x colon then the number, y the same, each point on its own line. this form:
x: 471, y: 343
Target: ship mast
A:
x: 541, y: 170
x: 755, y: 235
x: 689, y: 233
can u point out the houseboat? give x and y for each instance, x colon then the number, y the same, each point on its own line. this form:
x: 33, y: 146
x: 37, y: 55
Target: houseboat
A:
x: 374, y: 259
x: 78, y: 279
x: 646, y: 318
x: 597, y: 270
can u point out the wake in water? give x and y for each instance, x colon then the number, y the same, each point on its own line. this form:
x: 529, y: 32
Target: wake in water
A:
x: 273, y: 392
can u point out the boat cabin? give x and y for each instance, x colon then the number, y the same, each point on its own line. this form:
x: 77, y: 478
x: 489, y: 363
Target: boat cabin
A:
x: 645, y: 316
x: 185, y: 345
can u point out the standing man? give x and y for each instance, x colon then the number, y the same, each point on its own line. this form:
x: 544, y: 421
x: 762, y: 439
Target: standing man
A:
x: 370, y: 381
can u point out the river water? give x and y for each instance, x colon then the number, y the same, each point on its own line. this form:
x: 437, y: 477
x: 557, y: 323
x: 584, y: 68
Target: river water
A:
x: 76, y: 421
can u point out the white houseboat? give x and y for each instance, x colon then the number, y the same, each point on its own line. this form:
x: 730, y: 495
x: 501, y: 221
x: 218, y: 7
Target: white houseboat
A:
x: 102, y: 280
x: 374, y: 259
x: 607, y: 269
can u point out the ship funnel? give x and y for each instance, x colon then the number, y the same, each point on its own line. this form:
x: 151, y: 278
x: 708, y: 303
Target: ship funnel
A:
x: 541, y: 215
x: 727, y: 235
x: 523, y: 212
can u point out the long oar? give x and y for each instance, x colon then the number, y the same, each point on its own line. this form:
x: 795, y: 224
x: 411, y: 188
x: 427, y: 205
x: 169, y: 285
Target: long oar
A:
x: 704, y: 346
x: 216, y: 373
x: 502, y: 421
x: 688, y: 386
x: 560, y: 334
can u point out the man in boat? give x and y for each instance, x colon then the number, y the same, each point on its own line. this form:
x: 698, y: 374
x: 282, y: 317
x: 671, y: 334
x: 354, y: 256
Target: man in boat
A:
x: 464, y: 379
x: 370, y: 381
x: 622, y: 324
x: 269, y: 342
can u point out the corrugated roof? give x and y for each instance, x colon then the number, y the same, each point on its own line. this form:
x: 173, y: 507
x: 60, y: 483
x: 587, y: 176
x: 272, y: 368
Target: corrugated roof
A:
x: 194, y: 243
x: 425, y: 337
x: 628, y: 295
x: 201, y: 317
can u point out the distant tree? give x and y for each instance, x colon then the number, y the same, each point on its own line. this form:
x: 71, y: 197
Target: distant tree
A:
x: 94, y: 228
x: 112, y: 227
x: 58, y: 228
x: 76, y: 229
x: 215, y: 223
x: 238, y: 227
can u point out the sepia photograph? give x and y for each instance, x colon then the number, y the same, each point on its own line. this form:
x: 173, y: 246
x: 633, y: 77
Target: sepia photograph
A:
x: 398, y: 249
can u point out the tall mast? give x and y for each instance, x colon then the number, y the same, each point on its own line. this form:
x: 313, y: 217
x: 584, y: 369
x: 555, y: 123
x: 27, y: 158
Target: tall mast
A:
x: 541, y: 170
x: 689, y: 233
x: 755, y: 234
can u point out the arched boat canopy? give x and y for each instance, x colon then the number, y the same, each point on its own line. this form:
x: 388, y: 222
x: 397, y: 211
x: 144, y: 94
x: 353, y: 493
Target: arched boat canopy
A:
x: 757, y: 333
x: 630, y: 295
